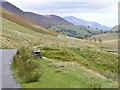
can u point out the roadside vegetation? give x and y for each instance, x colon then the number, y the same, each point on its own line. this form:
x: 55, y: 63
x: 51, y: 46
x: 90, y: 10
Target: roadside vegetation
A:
x: 62, y: 68
x: 26, y: 66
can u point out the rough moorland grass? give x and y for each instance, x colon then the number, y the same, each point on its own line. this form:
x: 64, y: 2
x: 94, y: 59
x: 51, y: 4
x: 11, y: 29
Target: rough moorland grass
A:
x: 18, y: 36
x: 59, y: 74
x: 27, y: 68
x: 103, y: 63
x: 55, y: 74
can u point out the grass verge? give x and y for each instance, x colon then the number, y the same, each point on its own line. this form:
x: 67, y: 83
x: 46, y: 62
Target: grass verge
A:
x: 26, y: 66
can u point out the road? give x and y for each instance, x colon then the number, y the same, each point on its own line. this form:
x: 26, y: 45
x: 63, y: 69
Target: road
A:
x: 8, y: 80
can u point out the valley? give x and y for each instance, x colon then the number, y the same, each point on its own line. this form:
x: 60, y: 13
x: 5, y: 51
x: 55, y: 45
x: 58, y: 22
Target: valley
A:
x: 19, y: 36
x: 73, y: 56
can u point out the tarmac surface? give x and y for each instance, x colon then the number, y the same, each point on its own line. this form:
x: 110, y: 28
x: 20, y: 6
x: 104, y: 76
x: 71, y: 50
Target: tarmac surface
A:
x: 8, y: 79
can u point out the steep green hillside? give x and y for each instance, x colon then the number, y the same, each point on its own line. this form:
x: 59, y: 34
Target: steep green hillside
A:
x: 75, y: 31
x: 23, y: 22
x: 14, y: 36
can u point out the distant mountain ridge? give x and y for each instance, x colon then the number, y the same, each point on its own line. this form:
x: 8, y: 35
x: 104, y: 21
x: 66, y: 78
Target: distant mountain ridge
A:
x: 8, y: 6
x: 42, y: 20
x: 80, y: 22
x: 48, y: 24
x: 45, y: 20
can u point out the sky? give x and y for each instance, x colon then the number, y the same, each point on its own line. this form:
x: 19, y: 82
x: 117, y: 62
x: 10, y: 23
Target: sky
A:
x: 104, y: 12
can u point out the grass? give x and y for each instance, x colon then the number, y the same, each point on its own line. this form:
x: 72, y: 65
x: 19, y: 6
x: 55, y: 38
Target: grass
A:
x: 67, y: 76
x: 103, y: 63
x: 107, y: 36
x: 109, y: 39
x: 68, y: 56
x: 80, y: 30
x: 27, y: 67
x: 60, y: 72
x: 18, y: 36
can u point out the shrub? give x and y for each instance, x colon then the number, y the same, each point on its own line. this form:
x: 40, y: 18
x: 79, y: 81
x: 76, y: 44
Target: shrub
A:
x: 26, y: 65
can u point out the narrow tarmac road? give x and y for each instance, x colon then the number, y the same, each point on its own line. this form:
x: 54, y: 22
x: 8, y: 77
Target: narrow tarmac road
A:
x: 8, y: 80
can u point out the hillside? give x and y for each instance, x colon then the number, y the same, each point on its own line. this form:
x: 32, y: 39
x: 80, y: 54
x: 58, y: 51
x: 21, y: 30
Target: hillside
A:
x: 75, y: 31
x: 66, y: 62
x: 41, y: 20
x: 45, y: 20
x: 57, y: 48
x: 80, y: 22
x: 14, y: 36
x: 18, y: 35
x: 111, y: 39
x: 11, y: 8
x: 49, y: 22
x: 21, y: 21
x: 107, y: 36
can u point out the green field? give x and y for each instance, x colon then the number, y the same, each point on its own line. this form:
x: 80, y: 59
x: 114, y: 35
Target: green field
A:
x: 68, y: 71
x: 75, y: 30
x: 103, y: 63
x: 66, y: 75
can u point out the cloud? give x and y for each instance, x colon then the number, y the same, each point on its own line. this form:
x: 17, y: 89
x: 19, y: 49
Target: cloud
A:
x: 65, y: 5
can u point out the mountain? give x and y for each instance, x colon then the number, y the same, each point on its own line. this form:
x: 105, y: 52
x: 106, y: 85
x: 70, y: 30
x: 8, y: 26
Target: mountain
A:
x: 11, y: 8
x: 42, y: 20
x: 80, y: 22
x: 14, y: 14
x: 23, y: 22
x: 45, y: 23
x: 45, y: 20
